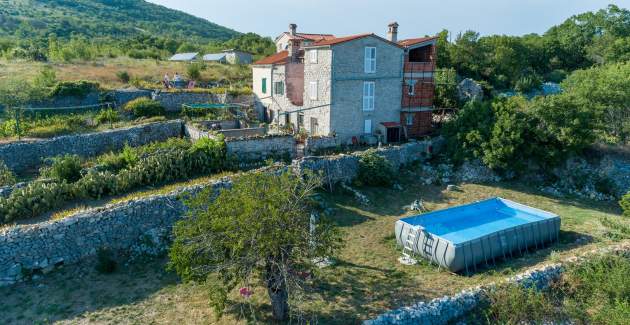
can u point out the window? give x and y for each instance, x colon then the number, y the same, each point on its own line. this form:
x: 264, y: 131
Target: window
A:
x: 370, y: 60
x: 301, y: 120
x: 368, y: 96
x: 314, y: 126
x: 312, y: 90
x: 264, y: 85
x: 313, y: 56
x: 367, y: 126
x: 409, y: 119
x: 278, y: 88
x: 411, y: 85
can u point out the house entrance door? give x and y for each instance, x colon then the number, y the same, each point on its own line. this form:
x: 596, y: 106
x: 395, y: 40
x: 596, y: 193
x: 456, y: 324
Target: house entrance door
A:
x: 393, y: 135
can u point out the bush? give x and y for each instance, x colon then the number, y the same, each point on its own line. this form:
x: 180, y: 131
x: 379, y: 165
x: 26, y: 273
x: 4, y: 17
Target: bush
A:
x: 74, y: 88
x: 625, y: 204
x: 144, y: 107
x: 7, y: 177
x: 123, y: 76
x: 513, y: 304
x: 107, y: 116
x: 64, y: 168
x: 375, y: 170
x: 95, y: 185
x: 105, y: 261
x: 193, y: 71
x: 34, y: 199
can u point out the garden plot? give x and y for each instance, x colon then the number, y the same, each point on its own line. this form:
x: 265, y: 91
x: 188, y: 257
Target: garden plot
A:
x: 366, y: 280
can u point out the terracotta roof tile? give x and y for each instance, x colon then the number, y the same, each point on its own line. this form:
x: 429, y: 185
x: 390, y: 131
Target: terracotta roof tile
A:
x: 338, y: 40
x: 414, y: 41
x: 278, y: 58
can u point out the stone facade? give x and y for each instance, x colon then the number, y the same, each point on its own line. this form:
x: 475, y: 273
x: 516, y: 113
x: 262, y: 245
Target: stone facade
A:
x: 22, y: 155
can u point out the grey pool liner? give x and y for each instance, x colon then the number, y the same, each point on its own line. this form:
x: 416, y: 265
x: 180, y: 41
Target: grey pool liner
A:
x: 462, y: 237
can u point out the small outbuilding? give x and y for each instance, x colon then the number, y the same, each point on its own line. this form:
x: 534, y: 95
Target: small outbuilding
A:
x: 215, y: 57
x: 238, y: 57
x: 184, y: 57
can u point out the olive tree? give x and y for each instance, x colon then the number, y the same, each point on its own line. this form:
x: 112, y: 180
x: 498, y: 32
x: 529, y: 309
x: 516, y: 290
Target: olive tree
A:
x: 257, y: 232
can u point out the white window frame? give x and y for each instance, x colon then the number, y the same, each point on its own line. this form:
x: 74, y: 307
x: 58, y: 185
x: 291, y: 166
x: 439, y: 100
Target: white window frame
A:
x: 370, y: 59
x: 409, y: 119
x: 369, y: 95
x: 313, y: 56
x: 312, y: 90
x: 367, y: 126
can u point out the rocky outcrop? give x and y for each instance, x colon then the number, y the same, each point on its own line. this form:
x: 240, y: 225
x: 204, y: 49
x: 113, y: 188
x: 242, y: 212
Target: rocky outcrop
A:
x: 469, y: 89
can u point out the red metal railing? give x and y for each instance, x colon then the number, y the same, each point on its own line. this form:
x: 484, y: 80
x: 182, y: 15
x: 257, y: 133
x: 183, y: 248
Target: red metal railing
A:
x: 419, y: 66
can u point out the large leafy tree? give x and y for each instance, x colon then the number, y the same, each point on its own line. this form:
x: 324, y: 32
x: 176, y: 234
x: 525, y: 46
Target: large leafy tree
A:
x: 259, y: 231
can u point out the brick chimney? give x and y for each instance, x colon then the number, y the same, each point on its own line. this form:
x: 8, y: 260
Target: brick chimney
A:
x: 294, y: 49
x: 292, y: 29
x: 392, y: 32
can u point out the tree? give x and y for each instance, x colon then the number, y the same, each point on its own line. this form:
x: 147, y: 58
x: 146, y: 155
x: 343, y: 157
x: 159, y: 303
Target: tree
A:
x: 259, y: 230
x: 16, y: 93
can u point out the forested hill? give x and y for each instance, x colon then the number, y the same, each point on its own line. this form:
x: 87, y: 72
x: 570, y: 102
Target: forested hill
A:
x: 103, y: 19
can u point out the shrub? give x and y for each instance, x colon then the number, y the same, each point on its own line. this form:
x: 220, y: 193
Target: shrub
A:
x: 513, y: 304
x: 64, y: 168
x: 95, y: 185
x: 74, y: 88
x: 107, y: 116
x: 34, y: 199
x: 7, y: 177
x: 144, y: 107
x: 46, y: 77
x: 193, y: 71
x: 123, y: 76
x: 105, y: 261
x: 625, y: 204
x: 375, y: 170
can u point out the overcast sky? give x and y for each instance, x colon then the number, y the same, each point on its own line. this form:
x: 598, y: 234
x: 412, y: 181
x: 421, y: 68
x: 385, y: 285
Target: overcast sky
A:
x: 416, y: 17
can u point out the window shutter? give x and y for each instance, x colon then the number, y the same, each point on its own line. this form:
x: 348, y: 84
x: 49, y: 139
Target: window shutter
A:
x: 264, y: 85
x: 313, y: 90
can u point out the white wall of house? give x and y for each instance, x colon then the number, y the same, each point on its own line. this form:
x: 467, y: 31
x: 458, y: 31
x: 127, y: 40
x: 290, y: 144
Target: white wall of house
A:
x: 263, y: 100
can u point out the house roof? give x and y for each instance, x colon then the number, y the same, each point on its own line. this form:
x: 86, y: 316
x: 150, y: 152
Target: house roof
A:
x: 183, y: 57
x: 311, y: 37
x: 214, y: 57
x: 278, y: 58
x: 339, y: 40
x: 415, y: 41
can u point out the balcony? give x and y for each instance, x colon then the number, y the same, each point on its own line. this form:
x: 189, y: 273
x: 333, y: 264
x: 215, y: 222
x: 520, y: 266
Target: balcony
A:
x: 419, y: 67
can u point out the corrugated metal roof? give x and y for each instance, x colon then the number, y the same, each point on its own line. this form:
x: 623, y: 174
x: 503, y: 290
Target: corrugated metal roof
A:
x: 214, y: 57
x: 184, y: 57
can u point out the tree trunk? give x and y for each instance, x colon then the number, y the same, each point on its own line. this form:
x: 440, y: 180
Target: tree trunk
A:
x: 278, y: 294
x: 279, y: 303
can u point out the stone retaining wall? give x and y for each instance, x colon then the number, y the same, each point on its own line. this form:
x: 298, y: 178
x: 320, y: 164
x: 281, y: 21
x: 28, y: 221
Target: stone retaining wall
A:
x: 261, y: 148
x: 142, y: 225
x: 243, y: 133
x: 22, y: 155
x: 447, y: 309
x: 312, y: 145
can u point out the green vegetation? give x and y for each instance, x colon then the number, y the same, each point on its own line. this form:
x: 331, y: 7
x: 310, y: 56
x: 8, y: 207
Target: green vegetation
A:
x: 7, y: 177
x: 250, y: 235
x: 522, y: 62
x: 596, y: 291
x: 80, y: 88
x: 625, y: 204
x: 375, y: 170
x: 133, y: 168
x: 145, y: 107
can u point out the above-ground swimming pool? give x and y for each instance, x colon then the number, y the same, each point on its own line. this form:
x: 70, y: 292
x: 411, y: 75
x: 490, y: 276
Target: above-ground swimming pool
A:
x: 461, y: 237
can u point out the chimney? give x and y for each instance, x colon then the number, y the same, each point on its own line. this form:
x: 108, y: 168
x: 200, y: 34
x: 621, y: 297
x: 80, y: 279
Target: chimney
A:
x: 294, y: 49
x: 392, y: 32
x: 292, y: 29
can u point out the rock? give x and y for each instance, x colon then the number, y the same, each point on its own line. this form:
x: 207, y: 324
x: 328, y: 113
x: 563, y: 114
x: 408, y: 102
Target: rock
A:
x: 469, y: 89
x: 451, y: 187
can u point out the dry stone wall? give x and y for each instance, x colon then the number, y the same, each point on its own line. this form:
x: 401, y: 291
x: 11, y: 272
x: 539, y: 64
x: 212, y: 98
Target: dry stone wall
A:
x: 23, y: 155
x: 312, y: 145
x: 261, y: 148
x: 144, y: 225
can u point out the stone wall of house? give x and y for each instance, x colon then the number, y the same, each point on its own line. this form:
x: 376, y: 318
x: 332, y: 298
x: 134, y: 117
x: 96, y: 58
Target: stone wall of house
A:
x: 312, y: 145
x: 261, y: 148
x: 320, y: 72
x: 23, y: 155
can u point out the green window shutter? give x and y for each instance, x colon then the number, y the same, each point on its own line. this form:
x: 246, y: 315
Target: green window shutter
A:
x: 264, y: 85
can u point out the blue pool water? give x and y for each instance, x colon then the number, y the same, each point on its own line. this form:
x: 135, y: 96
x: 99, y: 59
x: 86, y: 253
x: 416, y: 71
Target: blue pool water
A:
x: 467, y: 222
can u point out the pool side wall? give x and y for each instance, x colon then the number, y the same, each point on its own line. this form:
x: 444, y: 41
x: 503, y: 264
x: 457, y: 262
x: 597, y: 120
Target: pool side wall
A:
x: 467, y: 256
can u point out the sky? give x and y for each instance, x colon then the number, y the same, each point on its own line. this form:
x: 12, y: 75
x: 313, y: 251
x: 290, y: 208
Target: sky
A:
x: 416, y: 17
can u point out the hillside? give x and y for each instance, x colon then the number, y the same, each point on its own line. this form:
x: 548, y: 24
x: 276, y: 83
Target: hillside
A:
x: 103, y: 19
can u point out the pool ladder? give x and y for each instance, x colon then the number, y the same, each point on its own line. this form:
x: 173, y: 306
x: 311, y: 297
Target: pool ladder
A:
x: 407, y: 252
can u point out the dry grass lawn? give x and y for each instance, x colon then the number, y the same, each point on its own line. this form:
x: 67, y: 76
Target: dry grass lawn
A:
x: 366, y: 280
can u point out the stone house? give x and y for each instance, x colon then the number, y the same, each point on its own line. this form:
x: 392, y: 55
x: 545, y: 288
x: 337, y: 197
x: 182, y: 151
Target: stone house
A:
x: 353, y: 87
